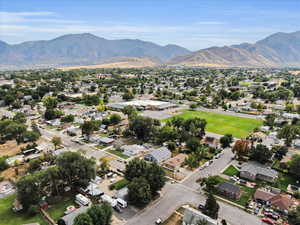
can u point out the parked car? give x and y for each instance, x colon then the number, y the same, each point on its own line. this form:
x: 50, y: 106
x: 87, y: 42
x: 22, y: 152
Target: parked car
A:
x: 118, y: 208
x: 268, y: 221
x: 200, y: 206
x: 158, y: 221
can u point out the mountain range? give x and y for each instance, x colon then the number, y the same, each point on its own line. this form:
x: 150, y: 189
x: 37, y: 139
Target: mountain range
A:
x: 279, y: 49
x: 276, y: 50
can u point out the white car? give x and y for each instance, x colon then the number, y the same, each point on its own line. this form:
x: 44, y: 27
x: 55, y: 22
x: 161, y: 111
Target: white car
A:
x: 158, y: 221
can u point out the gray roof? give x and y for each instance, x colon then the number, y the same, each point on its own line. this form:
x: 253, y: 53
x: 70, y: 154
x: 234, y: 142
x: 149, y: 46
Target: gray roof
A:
x: 229, y: 187
x: 192, y: 216
x: 257, y: 168
x: 106, y: 140
x: 161, y: 154
x: 69, y: 219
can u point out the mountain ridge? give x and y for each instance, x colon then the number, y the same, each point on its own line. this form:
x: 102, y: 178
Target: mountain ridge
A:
x: 82, y: 49
x: 278, y: 49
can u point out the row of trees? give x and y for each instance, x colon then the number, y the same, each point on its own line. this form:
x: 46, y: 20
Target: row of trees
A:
x: 72, y: 169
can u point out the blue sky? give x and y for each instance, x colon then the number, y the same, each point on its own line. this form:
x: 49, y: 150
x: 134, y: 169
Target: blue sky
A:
x: 193, y: 24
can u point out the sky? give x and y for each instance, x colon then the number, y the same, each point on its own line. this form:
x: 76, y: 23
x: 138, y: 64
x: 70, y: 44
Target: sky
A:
x: 193, y: 24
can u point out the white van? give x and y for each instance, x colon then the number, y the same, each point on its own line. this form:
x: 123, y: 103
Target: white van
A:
x: 82, y: 200
x: 121, y: 203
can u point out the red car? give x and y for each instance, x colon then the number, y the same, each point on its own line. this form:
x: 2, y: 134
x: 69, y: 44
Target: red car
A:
x: 268, y: 221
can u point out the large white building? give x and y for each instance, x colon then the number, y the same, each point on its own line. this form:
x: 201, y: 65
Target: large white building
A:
x: 143, y: 105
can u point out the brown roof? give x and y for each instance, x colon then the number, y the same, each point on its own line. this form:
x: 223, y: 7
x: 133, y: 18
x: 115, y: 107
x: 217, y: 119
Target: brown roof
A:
x: 282, y: 202
x: 263, y: 195
x: 176, y: 161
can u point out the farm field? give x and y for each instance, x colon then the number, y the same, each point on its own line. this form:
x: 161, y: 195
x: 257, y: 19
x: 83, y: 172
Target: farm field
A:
x: 239, y: 127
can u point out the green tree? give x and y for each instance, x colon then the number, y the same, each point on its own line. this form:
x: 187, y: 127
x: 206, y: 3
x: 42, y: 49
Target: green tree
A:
x: 130, y: 111
x: 261, y: 153
x: 75, y: 168
x: 294, y: 216
x: 87, y: 128
x: 211, y: 207
x: 3, y: 164
x: 193, y: 144
x: 294, y: 166
x: 226, y: 140
x: 139, y: 191
x: 289, y: 133
x: 100, y: 214
x: 115, y: 118
x: 56, y: 141
x: 279, y: 152
x: 142, y: 127
x: 50, y: 102
x: 83, y: 219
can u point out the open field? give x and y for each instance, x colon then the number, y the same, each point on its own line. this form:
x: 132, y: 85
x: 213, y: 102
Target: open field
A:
x: 8, y: 217
x: 239, y: 127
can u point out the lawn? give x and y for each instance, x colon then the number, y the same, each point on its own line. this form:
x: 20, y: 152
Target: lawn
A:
x: 119, y: 184
x: 231, y: 171
x: 8, y: 217
x: 118, y: 153
x: 284, y: 180
x: 239, y: 127
x: 57, y: 210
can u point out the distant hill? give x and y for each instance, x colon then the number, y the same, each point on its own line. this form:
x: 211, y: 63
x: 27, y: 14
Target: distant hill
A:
x: 122, y: 62
x: 279, y: 49
x: 81, y: 49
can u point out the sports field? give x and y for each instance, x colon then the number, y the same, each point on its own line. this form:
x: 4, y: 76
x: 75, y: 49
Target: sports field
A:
x: 218, y: 123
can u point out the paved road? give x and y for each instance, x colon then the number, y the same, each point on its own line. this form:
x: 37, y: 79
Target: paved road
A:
x: 187, y: 192
x: 214, y: 169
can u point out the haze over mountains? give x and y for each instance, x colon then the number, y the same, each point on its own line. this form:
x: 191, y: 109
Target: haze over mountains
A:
x: 279, y: 49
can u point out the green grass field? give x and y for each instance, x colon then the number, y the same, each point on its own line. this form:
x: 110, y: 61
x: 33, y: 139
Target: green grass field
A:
x: 118, y: 153
x: 231, y: 171
x: 8, y: 217
x: 218, y: 123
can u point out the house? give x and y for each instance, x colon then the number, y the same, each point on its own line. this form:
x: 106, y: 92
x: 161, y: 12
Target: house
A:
x: 193, y: 216
x: 44, y: 147
x: 279, y: 201
x: 69, y: 219
x: 229, y: 190
x: 55, y: 122
x: 254, y: 170
x: 132, y: 150
x: 211, y: 142
x: 158, y: 155
x: 175, y: 162
x: 106, y: 140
